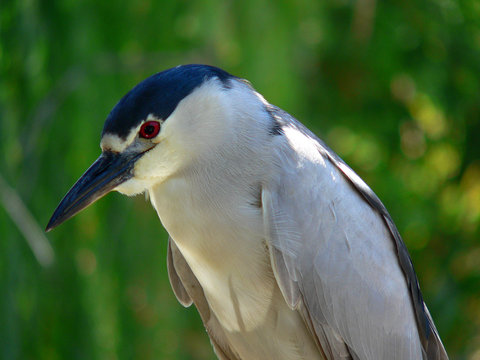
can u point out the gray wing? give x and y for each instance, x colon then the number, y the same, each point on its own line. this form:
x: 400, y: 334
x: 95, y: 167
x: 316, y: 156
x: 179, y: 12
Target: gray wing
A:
x: 338, y: 257
x: 187, y: 290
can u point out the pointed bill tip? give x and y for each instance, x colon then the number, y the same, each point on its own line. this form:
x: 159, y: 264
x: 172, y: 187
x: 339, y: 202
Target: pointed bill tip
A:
x: 49, y: 227
x: 106, y: 173
x: 52, y: 224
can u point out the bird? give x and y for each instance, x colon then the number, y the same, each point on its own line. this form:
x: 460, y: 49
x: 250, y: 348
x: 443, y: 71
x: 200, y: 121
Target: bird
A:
x: 283, y: 249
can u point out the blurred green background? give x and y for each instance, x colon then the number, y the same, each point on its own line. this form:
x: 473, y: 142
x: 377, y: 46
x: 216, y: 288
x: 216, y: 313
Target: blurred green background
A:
x: 392, y: 86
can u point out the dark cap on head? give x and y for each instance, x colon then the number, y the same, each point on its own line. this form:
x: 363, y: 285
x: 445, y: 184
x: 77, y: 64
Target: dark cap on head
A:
x: 159, y: 95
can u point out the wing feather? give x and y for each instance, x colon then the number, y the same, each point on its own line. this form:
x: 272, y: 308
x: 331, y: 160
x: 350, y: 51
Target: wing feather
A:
x: 337, y: 253
x: 177, y: 285
x: 188, y: 290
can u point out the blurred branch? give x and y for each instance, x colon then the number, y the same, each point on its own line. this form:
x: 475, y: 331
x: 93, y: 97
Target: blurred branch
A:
x: 26, y: 223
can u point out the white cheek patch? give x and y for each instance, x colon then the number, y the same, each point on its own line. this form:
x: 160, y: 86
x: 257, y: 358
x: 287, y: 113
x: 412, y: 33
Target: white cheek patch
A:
x: 112, y: 142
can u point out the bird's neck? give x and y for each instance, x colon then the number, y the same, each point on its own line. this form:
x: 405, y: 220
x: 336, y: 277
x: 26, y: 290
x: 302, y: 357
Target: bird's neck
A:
x: 202, y: 215
x: 220, y: 234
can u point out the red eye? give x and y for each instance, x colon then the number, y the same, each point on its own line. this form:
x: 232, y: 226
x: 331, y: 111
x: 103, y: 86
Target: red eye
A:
x: 150, y: 129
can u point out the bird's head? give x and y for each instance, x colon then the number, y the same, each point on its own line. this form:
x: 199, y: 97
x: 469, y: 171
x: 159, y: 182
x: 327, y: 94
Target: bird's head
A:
x: 158, y: 128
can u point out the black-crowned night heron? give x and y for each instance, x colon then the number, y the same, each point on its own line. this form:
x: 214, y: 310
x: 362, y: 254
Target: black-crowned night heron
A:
x: 283, y: 249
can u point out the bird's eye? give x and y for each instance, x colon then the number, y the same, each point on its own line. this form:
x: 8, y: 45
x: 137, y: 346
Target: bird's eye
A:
x: 150, y: 129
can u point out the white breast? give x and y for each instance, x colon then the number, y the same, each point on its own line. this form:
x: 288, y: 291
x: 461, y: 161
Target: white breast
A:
x: 225, y: 249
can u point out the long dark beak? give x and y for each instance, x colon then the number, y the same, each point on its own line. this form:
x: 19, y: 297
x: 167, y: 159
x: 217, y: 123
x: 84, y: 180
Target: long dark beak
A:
x: 106, y: 173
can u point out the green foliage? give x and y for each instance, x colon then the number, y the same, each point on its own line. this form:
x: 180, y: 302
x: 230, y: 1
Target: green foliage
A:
x: 392, y: 86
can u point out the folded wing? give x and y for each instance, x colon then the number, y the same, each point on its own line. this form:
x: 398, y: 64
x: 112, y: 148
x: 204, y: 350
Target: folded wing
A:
x: 338, y: 257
